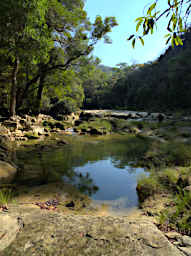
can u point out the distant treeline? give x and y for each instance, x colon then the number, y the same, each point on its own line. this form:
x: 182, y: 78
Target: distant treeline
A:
x: 164, y: 84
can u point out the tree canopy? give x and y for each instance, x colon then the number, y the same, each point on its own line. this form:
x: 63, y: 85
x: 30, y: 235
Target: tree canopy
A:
x: 39, y: 39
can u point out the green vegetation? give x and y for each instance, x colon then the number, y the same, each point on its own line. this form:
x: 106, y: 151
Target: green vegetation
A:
x: 168, y: 154
x: 43, y: 54
x: 178, y: 217
x: 176, y: 14
x: 57, y: 74
x: 175, y: 183
x: 6, y: 196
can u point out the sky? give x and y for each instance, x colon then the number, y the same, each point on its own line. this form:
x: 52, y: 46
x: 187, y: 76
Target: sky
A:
x: 126, y: 11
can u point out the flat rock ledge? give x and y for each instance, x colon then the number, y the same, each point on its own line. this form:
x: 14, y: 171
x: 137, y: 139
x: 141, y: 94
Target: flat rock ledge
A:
x: 44, y: 233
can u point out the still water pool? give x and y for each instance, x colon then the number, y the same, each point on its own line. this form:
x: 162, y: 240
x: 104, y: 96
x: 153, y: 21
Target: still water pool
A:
x: 116, y: 186
x: 100, y: 167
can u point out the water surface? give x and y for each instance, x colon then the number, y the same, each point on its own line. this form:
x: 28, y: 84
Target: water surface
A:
x: 100, y: 167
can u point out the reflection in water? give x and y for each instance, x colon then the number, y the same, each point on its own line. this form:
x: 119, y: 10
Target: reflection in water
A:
x: 98, y: 167
x: 115, y: 184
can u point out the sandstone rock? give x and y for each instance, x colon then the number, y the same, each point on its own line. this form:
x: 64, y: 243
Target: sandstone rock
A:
x: 186, y: 240
x: 4, y: 130
x: 56, y: 234
x: 7, y: 172
x: 187, y: 188
x: 185, y: 250
x: 9, y: 228
x: 5, y: 142
x: 11, y: 125
x: 25, y: 124
x: 173, y: 235
x: 37, y: 130
x: 134, y: 130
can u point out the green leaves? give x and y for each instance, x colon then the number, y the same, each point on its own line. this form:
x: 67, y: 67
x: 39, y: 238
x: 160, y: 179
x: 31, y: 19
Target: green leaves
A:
x: 176, y: 15
x: 151, y: 8
x: 141, y: 39
x: 140, y: 21
x: 130, y: 37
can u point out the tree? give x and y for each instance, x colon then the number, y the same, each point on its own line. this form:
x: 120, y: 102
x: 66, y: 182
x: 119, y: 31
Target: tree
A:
x: 43, y: 37
x: 73, y: 34
x: 176, y: 13
x: 23, y: 31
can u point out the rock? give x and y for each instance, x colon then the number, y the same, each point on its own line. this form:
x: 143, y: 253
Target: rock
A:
x: 21, y: 138
x: 4, y: 130
x: 186, y: 240
x: 57, y: 234
x: 147, y: 133
x: 185, y: 250
x: 189, y: 180
x: 62, y: 142
x: 134, y: 130
x: 3, y: 155
x: 5, y: 142
x: 31, y: 136
x: 18, y: 133
x: 173, y: 235
x: 187, y: 188
x: 37, y: 130
x: 25, y: 124
x: 11, y: 125
x: 8, y: 231
x: 7, y: 172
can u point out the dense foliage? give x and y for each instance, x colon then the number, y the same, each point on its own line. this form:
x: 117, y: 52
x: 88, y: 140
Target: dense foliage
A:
x: 43, y: 45
x: 161, y: 85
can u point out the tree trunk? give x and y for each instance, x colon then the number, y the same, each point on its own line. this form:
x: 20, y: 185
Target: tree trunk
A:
x: 39, y: 93
x: 14, y: 88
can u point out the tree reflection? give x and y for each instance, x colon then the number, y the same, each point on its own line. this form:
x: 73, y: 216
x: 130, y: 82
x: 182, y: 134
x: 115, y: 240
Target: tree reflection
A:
x: 42, y: 165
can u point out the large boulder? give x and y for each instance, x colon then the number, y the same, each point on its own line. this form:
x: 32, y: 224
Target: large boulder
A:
x: 50, y: 233
x: 7, y: 172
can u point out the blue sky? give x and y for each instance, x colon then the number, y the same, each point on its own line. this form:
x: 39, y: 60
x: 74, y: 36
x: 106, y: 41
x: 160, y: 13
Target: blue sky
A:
x: 126, y: 11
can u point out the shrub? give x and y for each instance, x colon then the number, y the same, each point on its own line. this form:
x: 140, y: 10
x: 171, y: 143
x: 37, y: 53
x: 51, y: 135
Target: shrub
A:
x: 168, y: 154
x: 179, y: 216
x: 147, y: 186
x: 6, y: 195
